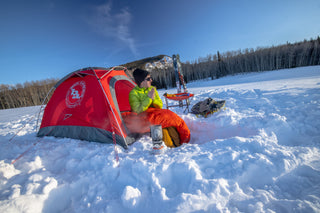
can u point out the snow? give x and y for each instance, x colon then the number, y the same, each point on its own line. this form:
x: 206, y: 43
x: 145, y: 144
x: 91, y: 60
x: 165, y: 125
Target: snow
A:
x: 260, y: 154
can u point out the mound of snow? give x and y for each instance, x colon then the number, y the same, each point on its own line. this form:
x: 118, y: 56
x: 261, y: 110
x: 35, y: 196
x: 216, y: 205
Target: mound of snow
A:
x: 130, y: 197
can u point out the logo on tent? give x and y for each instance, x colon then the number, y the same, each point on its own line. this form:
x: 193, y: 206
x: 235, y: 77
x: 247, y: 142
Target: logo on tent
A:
x: 75, y: 94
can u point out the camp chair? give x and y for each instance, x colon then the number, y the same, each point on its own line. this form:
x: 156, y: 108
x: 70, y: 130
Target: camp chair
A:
x: 181, y: 97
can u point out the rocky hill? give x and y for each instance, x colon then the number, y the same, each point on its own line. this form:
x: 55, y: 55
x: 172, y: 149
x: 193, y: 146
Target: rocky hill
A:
x: 150, y: 63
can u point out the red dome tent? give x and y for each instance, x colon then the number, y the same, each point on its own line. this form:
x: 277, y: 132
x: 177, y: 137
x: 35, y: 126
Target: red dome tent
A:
x: 87, y: 105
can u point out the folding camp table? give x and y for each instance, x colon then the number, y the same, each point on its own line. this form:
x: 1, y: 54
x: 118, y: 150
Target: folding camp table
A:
x: 183, y: 99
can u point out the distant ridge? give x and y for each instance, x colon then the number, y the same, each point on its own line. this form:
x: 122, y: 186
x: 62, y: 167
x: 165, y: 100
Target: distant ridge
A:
x: 160, y: 61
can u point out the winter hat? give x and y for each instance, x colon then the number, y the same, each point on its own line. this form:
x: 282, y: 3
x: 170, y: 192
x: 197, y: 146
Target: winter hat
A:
x: 139, y: 75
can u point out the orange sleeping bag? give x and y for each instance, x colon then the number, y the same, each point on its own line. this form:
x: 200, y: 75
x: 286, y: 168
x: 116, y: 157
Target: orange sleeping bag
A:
x: 140, y: 123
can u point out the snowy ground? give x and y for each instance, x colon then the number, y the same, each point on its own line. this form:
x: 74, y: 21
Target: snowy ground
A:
x: 261, y: 154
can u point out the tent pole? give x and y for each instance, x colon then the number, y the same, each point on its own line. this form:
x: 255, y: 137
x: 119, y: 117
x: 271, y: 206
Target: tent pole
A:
x: 105, y: 95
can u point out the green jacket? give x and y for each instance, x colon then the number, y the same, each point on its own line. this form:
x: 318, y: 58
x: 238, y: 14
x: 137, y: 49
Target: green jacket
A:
x: 140, y: 101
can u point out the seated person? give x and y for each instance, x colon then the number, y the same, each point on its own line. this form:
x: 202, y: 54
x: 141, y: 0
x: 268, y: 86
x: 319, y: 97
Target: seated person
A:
x: 146, y: 103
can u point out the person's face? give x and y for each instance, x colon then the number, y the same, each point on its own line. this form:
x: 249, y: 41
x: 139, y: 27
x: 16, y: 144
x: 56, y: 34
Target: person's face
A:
x: 147, y: 82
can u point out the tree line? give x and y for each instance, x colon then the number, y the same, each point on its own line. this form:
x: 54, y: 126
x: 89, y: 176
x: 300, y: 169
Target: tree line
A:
x: 27, y: 94
x: 305, y: 53
x: 214, y: 66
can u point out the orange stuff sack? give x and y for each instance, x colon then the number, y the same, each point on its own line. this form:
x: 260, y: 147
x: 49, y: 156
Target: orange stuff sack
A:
x: 140, y: 123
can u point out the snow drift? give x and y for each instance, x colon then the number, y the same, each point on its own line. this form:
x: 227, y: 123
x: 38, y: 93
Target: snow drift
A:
x: 261, y: 154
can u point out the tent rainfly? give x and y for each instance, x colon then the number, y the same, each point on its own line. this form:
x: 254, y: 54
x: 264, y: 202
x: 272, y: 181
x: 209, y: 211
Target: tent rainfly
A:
x: 87, y: 105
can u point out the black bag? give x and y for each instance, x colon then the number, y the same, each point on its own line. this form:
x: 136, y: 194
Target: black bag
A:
x: 207, y: 107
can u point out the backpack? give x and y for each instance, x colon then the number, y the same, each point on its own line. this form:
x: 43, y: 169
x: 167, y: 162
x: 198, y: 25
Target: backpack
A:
x: 207, y: 107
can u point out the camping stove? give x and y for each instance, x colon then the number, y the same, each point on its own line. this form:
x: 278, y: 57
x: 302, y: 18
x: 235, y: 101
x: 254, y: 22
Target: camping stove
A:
x: 156, y: 135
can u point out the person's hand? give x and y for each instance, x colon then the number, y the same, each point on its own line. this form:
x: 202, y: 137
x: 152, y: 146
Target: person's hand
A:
x: 151, y: 93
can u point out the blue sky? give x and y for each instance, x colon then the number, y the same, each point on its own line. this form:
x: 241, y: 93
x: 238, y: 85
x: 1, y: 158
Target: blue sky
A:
x: 43, y: 39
